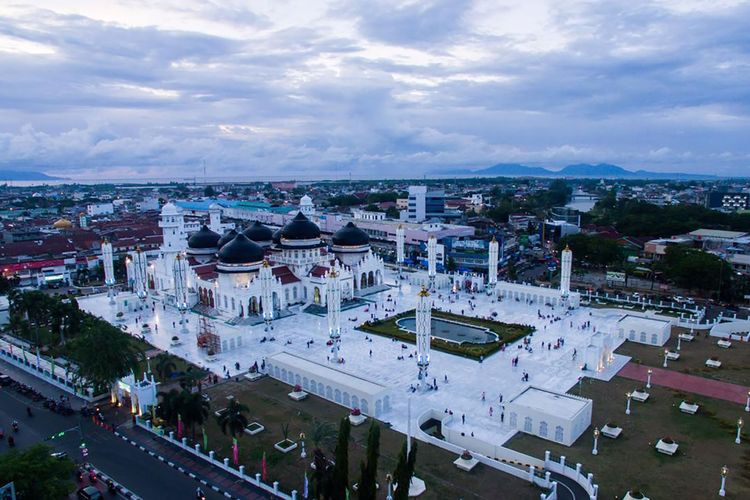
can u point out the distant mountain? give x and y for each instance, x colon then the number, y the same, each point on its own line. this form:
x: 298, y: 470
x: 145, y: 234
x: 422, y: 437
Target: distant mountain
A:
x: 27, y: 175
x: 577, y: 170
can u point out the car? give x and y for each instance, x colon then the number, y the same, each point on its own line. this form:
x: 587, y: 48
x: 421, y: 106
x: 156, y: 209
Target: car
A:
x: 89, y: 493
x: 59, y: 454
x: 5, y: 380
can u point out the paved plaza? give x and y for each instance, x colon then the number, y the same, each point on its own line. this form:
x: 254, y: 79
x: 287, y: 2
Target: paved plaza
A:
x: 376, y: 358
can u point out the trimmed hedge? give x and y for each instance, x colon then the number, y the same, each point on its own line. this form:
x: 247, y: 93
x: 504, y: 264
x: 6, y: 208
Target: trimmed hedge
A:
x: 507, y: 333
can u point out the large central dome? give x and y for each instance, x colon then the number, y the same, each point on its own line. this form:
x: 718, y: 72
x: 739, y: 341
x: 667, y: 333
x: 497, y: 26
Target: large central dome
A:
x: 241, y: 251
x: 300, y: 228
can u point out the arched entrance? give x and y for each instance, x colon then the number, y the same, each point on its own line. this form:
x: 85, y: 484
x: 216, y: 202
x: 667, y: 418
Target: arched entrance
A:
x: 370, y: 279
x: 363, y: 281
x: 316, y: 295
x: 252, y: 308
x: 211, y: 298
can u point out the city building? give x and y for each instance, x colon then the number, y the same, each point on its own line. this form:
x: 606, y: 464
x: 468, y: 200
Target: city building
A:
x: 97, y: 209
x: 424, y: 203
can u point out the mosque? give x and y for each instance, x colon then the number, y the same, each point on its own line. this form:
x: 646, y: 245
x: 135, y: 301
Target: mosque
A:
x: 224, y: 273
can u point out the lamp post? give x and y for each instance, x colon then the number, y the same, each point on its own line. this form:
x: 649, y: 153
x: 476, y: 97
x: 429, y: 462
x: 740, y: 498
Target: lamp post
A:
x: 627, y: 408
x: 303, y: 453
x: 747, y: 405
x: 595, y: 451
x: 666, y: 351
x: 679, y: 343
x: 648, y: 381
x: 740, y: 423
x: 389, y: 482
x: 722, y: 490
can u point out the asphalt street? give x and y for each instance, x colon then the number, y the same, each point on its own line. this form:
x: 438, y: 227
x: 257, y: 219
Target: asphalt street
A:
x: 146, y: 476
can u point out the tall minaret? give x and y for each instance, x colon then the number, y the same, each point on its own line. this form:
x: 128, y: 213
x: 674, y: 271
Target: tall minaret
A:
x: 214, y: 218
x: 424, y: 331
x: 140, y: 276
x: 179, y: 274
x: 566, y: 265
x: 494, y: 250
x: 400, y: 239
x: 333, y: 305
x: 172, y: 224
x: 266, y: 291
x: 431, y: 260
x: 109, y: 269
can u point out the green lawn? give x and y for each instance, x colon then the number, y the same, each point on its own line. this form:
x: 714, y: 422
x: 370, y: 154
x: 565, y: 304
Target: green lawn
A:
x: 507, y: 333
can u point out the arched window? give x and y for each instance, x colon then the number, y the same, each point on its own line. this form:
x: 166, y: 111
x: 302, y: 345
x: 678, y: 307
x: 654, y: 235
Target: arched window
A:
x: 559, y: 433
x: 543, y: 428
x: 527, y: 424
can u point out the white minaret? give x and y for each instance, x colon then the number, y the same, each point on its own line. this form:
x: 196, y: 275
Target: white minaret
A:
x: 179, y: 274
x: 431, y: 260
x: 140, y: 273
x: 109, y: 269
x: 494, y: 251
x: 266, y: 291
x: 424, y: 330
x: 306, y: 207
x: 172, y: 224
x: 566, y: 265
x: 333, y: 305
x: 400, y: 240
x: 214, y: 218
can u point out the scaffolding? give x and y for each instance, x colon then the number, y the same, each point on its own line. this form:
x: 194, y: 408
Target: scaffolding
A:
x: 207, y: 338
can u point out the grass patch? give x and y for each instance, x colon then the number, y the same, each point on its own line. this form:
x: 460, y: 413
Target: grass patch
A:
x: 507, y: 333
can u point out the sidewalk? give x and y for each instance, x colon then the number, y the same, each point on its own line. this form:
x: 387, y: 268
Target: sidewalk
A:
x: 208, y: 475
x: 687, y: 383
x: 41, y: 385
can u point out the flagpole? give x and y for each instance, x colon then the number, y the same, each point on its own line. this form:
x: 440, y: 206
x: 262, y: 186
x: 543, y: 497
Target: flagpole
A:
x: 408, y: 428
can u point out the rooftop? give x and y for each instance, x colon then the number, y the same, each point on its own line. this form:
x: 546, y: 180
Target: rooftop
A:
x: 558, y: 404
x: 717, y: 233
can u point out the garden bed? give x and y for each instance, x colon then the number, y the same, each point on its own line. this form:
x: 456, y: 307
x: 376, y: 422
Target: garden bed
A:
x: 507, y: 333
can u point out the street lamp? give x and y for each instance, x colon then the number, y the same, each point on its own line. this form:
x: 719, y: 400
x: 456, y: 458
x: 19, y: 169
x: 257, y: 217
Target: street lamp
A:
x: 389, y: 482
x: 740, y: 423
x: 679, y: 343
x: 627, y: 408
x: 747, y: 405
x: 303, y: 453
x: 666, y: 351
x: 648, y: 381
x: 595, y: 451
x: 722, y: 490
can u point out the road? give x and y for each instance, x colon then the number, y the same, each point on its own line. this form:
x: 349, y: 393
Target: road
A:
x: 146, y: 476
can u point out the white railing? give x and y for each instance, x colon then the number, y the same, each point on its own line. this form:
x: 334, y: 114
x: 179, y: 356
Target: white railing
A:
x: 586, y: 481
x: 222, y: 464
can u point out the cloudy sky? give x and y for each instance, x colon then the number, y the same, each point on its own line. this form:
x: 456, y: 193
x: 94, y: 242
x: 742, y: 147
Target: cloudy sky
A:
x: 98, y: 88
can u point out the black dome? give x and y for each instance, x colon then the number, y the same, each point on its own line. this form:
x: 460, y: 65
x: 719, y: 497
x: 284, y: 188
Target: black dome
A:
x: 240, y: 251
x: 350, y: 236
x: 258, y: 232
x: 228, y: 236
x: 300, y: 228
x: 204, y: 238
x: 277, y: 236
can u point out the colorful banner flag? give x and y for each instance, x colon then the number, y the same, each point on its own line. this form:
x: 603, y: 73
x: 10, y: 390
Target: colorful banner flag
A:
x: 205, y: 440
x: 38, y: 360
x: 25, y: 361
x: 179, y: 426
x: 235, y: 451
x: 264, y: 468
x: 305, y: 488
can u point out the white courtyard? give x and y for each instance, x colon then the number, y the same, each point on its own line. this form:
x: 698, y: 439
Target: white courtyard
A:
x: 375, y: 358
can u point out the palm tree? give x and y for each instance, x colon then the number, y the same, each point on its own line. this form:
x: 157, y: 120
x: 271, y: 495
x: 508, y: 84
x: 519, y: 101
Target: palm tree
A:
x: 164, y: 366
x: 193, y: 409
x: 321, y: 434
x: 169, y: 406
x: 233, y: 419
x: 190, y: 378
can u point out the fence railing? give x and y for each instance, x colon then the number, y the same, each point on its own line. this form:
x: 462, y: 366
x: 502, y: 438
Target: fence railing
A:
x: 222, y: 464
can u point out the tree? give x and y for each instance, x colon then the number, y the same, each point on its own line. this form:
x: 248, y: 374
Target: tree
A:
x: 369, y: 470
x: 450, y: 266
x: 104, y: 354
x: 695, y: 269
x: 36, y: 474
x: 194, y: 409
x: 164, y: 366
x: 233, y: 420
x: 404, y: 471
x: 511, y: 271
x: 209, y: 191
x: 322, y: 433
x: 340, y: 479
x: 169, y: 406
x: 392, y: 213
